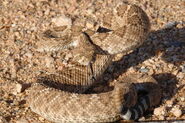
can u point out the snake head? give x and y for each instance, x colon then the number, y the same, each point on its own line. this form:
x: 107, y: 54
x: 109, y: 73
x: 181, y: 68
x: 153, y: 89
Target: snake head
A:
x: 83, y: 59
x: 85, y: 52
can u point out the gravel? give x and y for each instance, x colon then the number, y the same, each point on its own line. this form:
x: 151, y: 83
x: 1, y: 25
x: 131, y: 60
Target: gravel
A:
x: 162, y: 55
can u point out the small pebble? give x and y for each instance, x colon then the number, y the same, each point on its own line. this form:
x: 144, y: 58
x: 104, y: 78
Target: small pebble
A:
x: 159, y: 111
x: 170, y: 24
x: 169, y: 103
x: 41, y: 118
x: 28, y: 54
x: 143, y: 70
x: 176, y: 112
x: 161, y: 117
x: 182, y: 99
x: 181, y: 75
x: 19, y: 88
x: 49, y: 62
x: 62, y: 21
x: 142, y: 119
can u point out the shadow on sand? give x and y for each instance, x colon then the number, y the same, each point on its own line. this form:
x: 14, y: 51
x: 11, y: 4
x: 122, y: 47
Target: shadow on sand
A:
x: 169, y: 42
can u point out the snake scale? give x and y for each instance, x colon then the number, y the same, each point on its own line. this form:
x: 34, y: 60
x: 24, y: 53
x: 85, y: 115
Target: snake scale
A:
x: 118, y: 28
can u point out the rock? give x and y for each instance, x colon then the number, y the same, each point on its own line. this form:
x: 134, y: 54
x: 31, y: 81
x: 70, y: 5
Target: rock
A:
x: 143, y: 69
x: 20, y: 88
x: 181, y: 75
x: 49, y: 61
x: 142, y: 119
x: 160, y: 111
x: 41, y: 119
x: 170, y: 25
x: 182, y: 99
x: 62, y: 21
x: 176, y: 112
x: 161, y: 117
x: 28, y: 55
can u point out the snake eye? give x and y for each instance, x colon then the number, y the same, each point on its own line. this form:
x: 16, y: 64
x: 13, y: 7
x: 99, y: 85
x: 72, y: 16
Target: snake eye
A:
x: 103, y: 30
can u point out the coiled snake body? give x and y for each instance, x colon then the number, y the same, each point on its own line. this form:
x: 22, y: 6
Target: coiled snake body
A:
x: 60, y: 98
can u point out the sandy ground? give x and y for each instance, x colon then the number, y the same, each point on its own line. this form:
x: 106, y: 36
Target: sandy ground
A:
x: 162, y: 55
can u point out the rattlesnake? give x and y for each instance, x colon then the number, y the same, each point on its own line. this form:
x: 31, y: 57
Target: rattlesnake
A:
x: 62, y: 97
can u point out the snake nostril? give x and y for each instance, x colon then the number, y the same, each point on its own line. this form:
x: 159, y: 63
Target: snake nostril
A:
x: 103, y: 30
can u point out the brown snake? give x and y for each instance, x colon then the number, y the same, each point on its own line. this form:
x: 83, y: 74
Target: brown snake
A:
x: 61, y: 97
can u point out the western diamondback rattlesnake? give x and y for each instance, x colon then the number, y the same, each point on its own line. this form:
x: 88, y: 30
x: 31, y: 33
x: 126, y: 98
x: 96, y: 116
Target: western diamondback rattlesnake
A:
x: 118, y: 28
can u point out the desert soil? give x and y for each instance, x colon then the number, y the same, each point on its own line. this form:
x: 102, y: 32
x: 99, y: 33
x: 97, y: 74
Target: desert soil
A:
x: 161, y: 56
